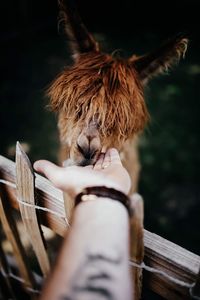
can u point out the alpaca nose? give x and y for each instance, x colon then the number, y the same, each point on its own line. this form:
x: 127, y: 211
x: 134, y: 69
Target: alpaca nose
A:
x: 88, y: 146
x: 87, y: 152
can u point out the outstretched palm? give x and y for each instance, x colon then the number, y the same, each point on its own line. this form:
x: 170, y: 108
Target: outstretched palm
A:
x: 107, y: 171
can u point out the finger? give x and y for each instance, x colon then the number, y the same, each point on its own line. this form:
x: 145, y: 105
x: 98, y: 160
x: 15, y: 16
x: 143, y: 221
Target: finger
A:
x: 50, y: 170
x: 104, y: 149
x: 107, y: 160
x: 98, y: 164
x: 114, y: 156
x: 90, y: 167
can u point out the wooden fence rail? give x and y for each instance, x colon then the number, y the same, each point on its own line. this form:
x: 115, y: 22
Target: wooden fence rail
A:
x: 25, y: 182
x: 176, y: 265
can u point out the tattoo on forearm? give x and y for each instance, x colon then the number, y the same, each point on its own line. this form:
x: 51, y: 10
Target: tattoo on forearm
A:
x: 101, y: 257
x: 95, y: 278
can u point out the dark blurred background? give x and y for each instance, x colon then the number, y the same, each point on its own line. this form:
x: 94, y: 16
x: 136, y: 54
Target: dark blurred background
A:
x: 33, y: 52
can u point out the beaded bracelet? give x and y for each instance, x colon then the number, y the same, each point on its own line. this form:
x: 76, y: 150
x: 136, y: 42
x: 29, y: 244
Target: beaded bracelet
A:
x: 90, y: 193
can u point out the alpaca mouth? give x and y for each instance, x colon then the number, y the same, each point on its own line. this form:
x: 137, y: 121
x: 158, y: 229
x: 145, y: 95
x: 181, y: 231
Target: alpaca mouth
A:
x: 87, y: 162
x: 83, y: 163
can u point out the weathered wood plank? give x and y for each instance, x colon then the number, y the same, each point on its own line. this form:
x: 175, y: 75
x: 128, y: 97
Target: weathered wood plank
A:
x: 159, y: 253
x: 47, y: 196
x: 136, y: 242
x: 196, y: 289
x: 12, y: 235
x: 26, y: 194
x: 6, y: 288
x: 173, y: 260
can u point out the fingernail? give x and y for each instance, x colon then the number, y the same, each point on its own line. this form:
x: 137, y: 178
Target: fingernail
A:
x: 103, y: 149
x: 35, y: 165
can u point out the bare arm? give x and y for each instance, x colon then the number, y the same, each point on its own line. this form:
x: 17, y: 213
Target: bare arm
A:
x: 93, y: 262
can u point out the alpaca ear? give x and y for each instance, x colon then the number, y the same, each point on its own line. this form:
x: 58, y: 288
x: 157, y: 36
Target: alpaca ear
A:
x: 80, y: 40
x: 161, y: 59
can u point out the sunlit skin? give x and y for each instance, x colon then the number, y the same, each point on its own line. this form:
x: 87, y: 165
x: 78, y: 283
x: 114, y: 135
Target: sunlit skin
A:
x: 107, y: 171
x: 81, y: 278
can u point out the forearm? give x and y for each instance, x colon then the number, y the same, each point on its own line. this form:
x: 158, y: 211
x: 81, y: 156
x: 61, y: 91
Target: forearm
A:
x: 93, y: 263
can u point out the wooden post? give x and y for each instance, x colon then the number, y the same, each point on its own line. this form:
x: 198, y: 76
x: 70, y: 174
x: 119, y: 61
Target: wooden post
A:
x: 12, y: 235
x: 7, y: 286
x: 159, y: 252
x: 25, y: 193
x: 69, y: 206
x: 196, y: 289
x: 136, y: 242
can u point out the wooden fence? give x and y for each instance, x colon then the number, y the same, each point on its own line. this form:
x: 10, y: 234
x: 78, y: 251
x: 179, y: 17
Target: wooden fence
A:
x: 169, y: 270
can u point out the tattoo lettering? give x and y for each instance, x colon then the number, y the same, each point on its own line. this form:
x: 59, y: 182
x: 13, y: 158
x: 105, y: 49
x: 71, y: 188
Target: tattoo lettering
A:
x: 95, y: 279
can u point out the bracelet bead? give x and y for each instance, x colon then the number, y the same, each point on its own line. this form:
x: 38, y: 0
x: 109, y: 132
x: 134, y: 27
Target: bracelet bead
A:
x: 92, y: 193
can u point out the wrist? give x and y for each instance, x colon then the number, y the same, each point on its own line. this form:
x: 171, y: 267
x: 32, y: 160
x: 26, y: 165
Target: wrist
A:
x: 95, y: 192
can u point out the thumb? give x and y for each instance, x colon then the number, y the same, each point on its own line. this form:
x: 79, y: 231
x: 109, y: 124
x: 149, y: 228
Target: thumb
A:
x: 50, y: 170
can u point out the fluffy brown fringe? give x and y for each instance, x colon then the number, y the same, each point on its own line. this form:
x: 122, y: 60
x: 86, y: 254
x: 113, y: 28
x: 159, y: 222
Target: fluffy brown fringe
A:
x: 104, y: 87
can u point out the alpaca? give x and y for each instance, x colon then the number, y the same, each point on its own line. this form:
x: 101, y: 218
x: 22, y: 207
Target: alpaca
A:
x: 100, y: 98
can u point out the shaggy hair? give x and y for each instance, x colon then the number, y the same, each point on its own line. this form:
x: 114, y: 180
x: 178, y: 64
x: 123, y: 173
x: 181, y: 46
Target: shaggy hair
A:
x: 102, y: 87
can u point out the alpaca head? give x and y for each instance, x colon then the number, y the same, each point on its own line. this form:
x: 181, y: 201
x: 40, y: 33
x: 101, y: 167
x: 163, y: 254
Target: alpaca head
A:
x: 99, y: 99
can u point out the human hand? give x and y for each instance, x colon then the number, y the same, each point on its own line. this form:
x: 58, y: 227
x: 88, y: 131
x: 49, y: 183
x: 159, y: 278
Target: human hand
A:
x: 107, y: 171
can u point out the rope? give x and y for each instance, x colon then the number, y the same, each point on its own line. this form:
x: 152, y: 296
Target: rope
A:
x: 19, y: 279
x: 33, y: 205
x: 140, y: 266
x: 169, y: 277
x: 8, y: 183
x: 43, y: 209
